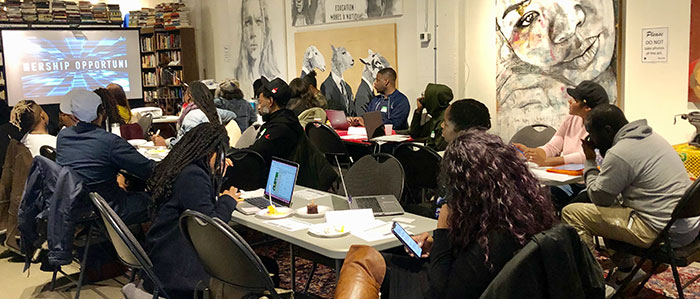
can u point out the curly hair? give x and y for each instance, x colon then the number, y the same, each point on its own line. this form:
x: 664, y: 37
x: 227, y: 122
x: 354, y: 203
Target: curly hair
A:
x: 197, y: 144
x: 489, y: 188
x: 25, y: 115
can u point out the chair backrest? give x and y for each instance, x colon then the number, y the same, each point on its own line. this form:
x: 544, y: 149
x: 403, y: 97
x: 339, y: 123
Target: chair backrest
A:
x: 249, y: 170
x: 131, y: 131
x: 128, y: 248
x: 689, y: 204
x: 421, y: 165
x: 233, y: 132
x: 378, y: 174
x: 325, y: 139
x: 247, y: 137
x: 48, y: 151
x: 146, y: 121
x: 224, y: 254
x: 533, y: 135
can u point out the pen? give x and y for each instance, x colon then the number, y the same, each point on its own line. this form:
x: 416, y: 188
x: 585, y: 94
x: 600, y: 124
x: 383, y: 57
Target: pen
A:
x: 516, y: 148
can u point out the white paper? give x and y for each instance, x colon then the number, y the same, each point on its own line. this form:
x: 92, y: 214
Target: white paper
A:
x: 250, y: 210
x: 378, y: 230
x: 357, y: 131
x: 544, y: 175
x: 352, y: 219
x: 392, y: 138
x: 309, y: 194
x: 353, y: 137
x: 251, y: 194
x: 289, y: 224
x: 403, y: 219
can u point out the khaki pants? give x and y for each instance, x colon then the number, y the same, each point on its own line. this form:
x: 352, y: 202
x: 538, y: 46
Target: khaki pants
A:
x: 615, y: 222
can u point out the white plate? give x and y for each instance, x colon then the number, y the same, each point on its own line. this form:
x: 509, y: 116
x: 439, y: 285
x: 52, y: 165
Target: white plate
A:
x: 325, y: 230
x: 281, y: 213
x: 137, y: 142
x: 301, y: 212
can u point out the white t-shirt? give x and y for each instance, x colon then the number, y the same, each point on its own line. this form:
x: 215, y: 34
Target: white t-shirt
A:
x: 35, y: 141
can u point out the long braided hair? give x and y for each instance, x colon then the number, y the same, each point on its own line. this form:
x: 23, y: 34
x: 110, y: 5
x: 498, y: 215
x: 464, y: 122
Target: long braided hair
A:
x: 204, y: 100
x: 197, y: 144
x: 109, y: 103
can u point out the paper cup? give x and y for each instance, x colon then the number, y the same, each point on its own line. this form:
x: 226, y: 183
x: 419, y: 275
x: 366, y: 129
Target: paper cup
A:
x: 388, y: 129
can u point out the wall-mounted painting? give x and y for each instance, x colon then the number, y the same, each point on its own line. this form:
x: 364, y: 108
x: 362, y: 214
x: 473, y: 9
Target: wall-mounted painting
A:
x: 694, y: 70
x: 546, y: 46
x: 258, y: 27
x: 311, y: 12
x: 347, y: 61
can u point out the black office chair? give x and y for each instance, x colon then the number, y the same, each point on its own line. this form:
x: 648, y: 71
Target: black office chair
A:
x: 533, y: 135
x: 249, y: 170
x: 48, y: 152
x: 421, y: 165
x: 329, y: 143
x: 226, y: 256
x: 128, y: 248
x: 378, y: 174
x: 660, y: 251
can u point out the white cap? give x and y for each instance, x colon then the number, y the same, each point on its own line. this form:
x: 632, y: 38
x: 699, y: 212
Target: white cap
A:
x: 65, y: 103
x: 83, y: 104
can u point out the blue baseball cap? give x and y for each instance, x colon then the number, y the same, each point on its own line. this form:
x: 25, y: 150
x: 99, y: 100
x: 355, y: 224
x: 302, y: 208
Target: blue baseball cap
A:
x: 84, y: 104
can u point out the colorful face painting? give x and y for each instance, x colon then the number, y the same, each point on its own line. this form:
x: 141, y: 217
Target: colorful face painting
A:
x: 546, y: 46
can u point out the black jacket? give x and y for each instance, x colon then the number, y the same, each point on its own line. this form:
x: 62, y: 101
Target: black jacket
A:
x: 174, y: 261
x: 555, y: 264
x: 278, y: 136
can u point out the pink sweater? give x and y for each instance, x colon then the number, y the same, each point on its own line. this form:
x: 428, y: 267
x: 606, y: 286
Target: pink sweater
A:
x: 567, y: 141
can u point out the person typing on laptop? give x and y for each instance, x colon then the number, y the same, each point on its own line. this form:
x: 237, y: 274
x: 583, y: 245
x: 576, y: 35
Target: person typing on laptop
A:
x: 390, y: 102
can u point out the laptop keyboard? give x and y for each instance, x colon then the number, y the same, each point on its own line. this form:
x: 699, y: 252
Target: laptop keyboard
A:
x: 261, y: 202
x: 368, y: 203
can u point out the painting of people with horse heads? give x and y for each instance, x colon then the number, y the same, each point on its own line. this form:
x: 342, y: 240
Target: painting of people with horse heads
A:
x: 342, y: 72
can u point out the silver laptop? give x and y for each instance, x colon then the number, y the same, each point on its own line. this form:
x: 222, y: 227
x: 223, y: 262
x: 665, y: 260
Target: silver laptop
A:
x: 280, y: 187
x: 381, y: 205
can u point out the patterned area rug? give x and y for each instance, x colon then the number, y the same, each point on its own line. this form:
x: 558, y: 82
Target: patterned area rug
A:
x: 323, y: 283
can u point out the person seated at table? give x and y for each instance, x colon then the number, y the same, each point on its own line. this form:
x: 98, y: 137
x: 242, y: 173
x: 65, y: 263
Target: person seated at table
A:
x: 187, y: 179
x: 96, y: 156
x: 122, y: 102
x: 392, y: 104
x: 637, y: 187
x: 228, y: 96
x: 436, y: 98
x: 463, y: 115
x: 111, y: 108
x: 32, y: 122
x: 198, y: 108
x: 565, y: 145
x: 487, y: 218
x: 280, y: 133
x: 310, y: 80
x: 65, y: 116
x: 303, y: 97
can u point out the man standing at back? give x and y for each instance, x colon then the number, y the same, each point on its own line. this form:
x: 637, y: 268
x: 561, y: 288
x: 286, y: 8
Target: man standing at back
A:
x: 390, y: 101
x: 97, y: 156
x: 636, y: 189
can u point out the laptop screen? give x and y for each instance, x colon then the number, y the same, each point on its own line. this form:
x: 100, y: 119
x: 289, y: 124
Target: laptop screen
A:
x: 281, y: 180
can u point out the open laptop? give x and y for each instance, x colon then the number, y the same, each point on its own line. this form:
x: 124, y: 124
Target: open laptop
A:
x: 373, y: 124
x: 381, y: 205
x: 338, y: 119
x: 280, y: 187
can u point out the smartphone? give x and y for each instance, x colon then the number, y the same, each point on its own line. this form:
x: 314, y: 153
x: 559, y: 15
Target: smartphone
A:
x: 406, y: 239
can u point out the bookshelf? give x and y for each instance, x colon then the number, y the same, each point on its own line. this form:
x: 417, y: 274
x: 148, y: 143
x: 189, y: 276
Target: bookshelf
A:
x: 163, y: 68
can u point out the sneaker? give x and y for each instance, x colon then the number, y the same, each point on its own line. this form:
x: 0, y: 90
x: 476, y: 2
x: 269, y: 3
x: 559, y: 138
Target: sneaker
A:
x: 619, y: 277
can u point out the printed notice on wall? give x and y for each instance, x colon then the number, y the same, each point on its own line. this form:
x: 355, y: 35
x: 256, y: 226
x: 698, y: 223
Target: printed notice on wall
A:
x: 654, y: 45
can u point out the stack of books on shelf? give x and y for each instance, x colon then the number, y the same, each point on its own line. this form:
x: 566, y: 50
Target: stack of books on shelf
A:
x: 29, y: 11
x: 171, y: 57
x: 142, y: 18
x: 134, y: 16
x: 3, y: 13
x: 150, y: 95
x: 72, y: 12
x: 58, y: 8
x: 115, y: 15
x: 147, y: 44
x: 14, y: 10
x: 86, y: 12
x: 148, y: 61
x: 171, y: 15
x: 43, y: 10
x: 99, y: 13
x: 149, y: 79
x: 168, y: 41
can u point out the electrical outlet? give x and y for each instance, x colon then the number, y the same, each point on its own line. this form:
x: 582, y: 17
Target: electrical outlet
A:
x: 424, y: 37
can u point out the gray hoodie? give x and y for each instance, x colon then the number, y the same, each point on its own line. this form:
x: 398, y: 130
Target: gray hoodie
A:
x: 648, y: 174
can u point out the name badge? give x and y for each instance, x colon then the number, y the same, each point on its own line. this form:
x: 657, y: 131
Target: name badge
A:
x: 384, y: 109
